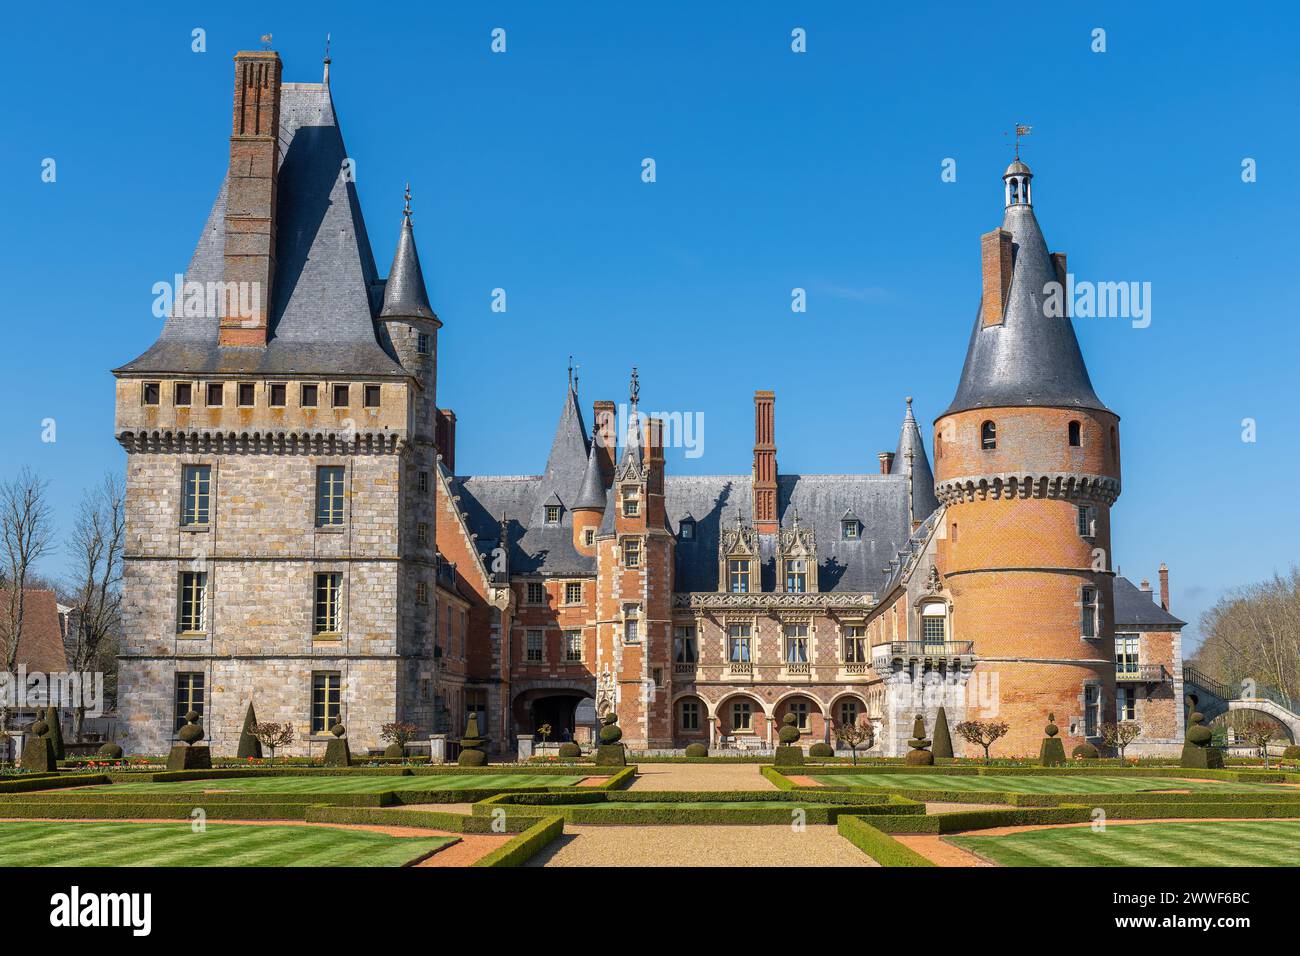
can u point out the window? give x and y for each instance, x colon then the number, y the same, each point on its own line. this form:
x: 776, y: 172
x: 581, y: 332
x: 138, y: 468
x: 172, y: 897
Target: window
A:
x: 194, y: 601
x: 796, y: 643
x: 552, y: 514
x: 422, y: 482
x: 800, y: 710
x: 934, y: 623
x: 1087, y: 521
x: 631, y: 552
x: 215, y: 397
x: 182, y: 394
x: 422, y: 532
x: 476, y: 703
x: 738, y: 638
x: 1091, y: 710
x: 573, y: 647
x: 1114, y: 446
x: 279, y: 394
x: 151, y: 392
x: 421, y: 592
x: 631, y: 624
x: 988, y: 436
x: 245, y: 394
x: 738, y: 575
x: 328, y: 599
x: 688, y: 715
x: 848, y: 712
x: 686, y: 530
x: 342, y: 396
x: 370, y: 396
x: 849, y: 529
x: 422, y: 343
x: 573, y: 592
x: 195, y: 503
x: 326, y: 701
x: 189, y: 695
x: 741, y: 715
x: 631, y: 501
x: 657, y: 675
x: 1076, y: 439
x: 684, y: 644
x: 1126, y: 653
x: 855, y: 644
x: 310, y: 396
x: 329, y: 496
x: 533, y: 647
x: 1126, y: 703
x: 1088, y: 619
x: 796, y: 576
x: 536, y: 592
x: 953, y: 536
x: 589, y: 536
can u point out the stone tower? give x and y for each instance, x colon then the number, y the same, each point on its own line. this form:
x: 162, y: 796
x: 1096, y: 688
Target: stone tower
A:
x: 1027, y: 464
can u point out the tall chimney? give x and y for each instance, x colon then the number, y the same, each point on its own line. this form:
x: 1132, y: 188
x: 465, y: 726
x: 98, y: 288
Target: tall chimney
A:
x: 605, y: 432
x: 995, y: 266
x: 1164, y: 586
x: 251, y: 195
x: 445, y: 438
x: 765, y: 519
x: 886, y: 461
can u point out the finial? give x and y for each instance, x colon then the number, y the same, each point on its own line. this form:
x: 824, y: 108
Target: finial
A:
x: 1021, y: 130
x: 266, y: 41
x: 406, y: 207
x: 634, y: 391
x: 327, y: 59
x: 909, y: 401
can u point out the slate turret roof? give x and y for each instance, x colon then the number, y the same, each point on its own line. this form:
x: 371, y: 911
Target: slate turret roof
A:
x: 924, y: 502
x: 404, y: 292
x: 1031, y: 359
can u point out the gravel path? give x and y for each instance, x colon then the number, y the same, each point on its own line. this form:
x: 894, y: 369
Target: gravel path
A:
x: 700, y: 776
x: 700, y: 846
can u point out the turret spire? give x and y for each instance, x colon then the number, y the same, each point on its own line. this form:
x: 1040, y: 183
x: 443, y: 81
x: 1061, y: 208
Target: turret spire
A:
x: 404, y: 292
x: 911, y: 460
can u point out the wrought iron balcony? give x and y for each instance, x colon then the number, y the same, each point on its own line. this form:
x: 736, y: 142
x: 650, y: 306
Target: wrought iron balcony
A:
x: 883, y: 654
x: 1143, y: 674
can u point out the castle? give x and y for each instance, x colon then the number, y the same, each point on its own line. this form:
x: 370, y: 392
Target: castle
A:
x: 298, y: 536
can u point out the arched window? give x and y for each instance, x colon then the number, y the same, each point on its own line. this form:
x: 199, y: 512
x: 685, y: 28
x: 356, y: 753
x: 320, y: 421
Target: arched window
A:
x: 1075, y: 438
x: 988, y: 436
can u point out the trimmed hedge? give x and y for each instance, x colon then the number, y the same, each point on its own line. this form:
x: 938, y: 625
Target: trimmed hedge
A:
x: 101, y: 810
x: 521, y: 849
x: 878, y: 845
x: 51, y: 782
x: 977, y: 819
x: 194, y: 798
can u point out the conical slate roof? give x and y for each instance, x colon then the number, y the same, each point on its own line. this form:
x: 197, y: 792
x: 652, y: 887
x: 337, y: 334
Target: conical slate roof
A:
x: 1031, y: 358
x: 592, y: 492
x: 924, y: 502
x: 404, y: 292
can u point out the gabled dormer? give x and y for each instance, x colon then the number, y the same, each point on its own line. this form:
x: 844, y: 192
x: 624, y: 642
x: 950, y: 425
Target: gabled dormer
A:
x: 796, y: 557
x: 738, y: 559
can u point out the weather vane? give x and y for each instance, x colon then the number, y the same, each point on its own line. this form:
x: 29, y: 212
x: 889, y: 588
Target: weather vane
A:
x: 266, y: 41
x: 406, y: 205
x: 635, y: 390
x: 1021, y: 130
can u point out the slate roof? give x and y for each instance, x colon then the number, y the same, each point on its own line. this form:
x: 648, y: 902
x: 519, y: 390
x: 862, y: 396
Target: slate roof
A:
x: 404, y: 292
x: 41, y: 648
x: 1031, y: 359
x: 924, y: 502
x: 1137, y: 609
x: 326, y: 287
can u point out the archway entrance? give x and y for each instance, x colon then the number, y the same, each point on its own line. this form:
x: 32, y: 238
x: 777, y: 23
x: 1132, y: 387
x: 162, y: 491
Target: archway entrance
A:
x: 569, y: 712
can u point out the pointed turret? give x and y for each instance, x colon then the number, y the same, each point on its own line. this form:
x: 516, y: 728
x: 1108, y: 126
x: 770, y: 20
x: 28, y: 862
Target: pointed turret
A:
x: 910, y: 459
x: 589, y: 506
x: 1022, y: 353
x: 404, y: 292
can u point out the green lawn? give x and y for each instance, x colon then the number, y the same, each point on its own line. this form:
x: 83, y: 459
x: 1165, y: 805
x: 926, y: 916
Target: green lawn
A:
x: 1033, y: 784
x: 1234, y: 843
x: 347, y: 784
x: 46, y: 843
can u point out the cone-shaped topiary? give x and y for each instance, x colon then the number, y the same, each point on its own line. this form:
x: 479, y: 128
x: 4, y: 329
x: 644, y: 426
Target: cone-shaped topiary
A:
x: 919, y: 755
x: 611, y: 753
x: 1085, y: 751
x: 1197, y: 752
x: 55, y: 733
x: 337, y: 752
x: 570, y: 751
x: 1052, y: 752
x: 789, y: 753
x: 473, y: 746
x: 697, y: 750
x: 942, y: 738
x: 111, y: 751
x: 249, y: 746
x: 821, y: 749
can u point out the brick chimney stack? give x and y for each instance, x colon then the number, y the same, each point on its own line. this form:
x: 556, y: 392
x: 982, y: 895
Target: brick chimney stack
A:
x: 604, y: 431
x: 886, y: 461
x: 765, y: 518
x: 1164, y: 586
x: 995, y: 266
x: 251, y: 196
x: 445, y: 438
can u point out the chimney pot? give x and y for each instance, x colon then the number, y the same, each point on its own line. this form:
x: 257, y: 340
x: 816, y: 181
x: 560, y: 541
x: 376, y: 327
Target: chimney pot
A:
x: 886, y: 461
x: 1164, y: 586
x: 764, y: 478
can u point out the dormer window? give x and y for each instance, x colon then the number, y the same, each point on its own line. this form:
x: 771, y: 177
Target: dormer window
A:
x: 988, y: 436
x: 850, y: 530
x: 686, y: 530
x: 796, y: 576
x: 552, y: 514
x: 738, y: 575
x: 631, y: 495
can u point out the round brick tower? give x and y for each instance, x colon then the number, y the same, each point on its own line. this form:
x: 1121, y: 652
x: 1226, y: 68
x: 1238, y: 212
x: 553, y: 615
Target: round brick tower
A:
x: 1027, y: 465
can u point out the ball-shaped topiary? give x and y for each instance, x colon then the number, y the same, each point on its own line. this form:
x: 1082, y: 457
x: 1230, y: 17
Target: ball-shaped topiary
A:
x: 1291, y: 753
x: 338, y: 730
x: 1051, y: 729
x: 821, y: 749
x: 1085, y: 751
x: 1052, y: 751
x: 472, y: 758
x: 570, y: 751
x: 192, y: 732
x: 610, y: 732
x: 111, y: 751
x: 39, y: 727
x: 697, y: 750
x: 394, y: 750
x: 1197, y: 732
x: 789, y: 732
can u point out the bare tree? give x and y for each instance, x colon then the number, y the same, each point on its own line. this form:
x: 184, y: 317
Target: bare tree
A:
x: 272, y: 736
x: 95, y: 585
x: 25, y: 538
x: 1120, y: 735
x: 984, y: 733
x: 855, y: 734
x: 1253, y: 633
x: 1258, y: 733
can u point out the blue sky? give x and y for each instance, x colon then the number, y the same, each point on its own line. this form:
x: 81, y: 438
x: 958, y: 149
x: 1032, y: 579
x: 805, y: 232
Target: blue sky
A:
x: 775, y: 170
